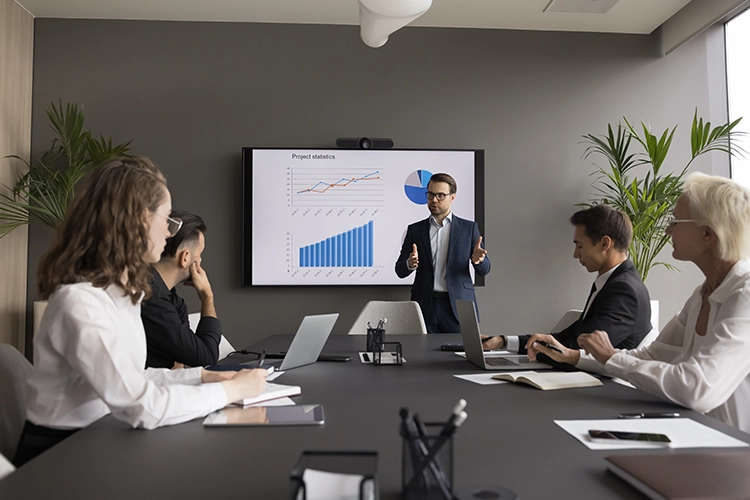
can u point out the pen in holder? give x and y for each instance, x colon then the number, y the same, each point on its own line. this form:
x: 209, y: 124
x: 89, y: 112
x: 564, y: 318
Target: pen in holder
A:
x: 375, y: 339
x: 395, y: 358
x: 427, y: 464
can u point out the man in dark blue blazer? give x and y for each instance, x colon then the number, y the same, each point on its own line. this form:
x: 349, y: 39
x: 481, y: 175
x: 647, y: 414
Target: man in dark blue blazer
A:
x: 447, y: 245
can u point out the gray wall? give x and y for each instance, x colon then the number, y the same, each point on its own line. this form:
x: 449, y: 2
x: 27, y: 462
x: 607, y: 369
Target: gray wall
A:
x: 191, y: 95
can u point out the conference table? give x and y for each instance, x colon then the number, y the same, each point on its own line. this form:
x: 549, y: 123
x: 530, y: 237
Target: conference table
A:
x: 508, y: 440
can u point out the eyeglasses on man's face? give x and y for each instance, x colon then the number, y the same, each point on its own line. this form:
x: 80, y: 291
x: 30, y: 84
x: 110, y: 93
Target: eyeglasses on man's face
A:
x: 672, y: 222
x: 173, y: 225
x: 440, y: 196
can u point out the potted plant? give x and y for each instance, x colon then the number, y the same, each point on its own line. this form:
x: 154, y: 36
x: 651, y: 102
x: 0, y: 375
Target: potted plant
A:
x: 43, y: 193
x: 649, y: 200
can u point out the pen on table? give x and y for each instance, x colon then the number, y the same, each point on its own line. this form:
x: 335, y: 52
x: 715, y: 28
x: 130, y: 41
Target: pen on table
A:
x: 665, y: 414
x: 549, y: 346
x: 261, y: 358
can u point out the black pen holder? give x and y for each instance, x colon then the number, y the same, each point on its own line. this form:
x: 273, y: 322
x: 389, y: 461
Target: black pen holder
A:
x: 375, y: 339
x: 361, y: 463
x: 385, y: 356
x: 426, y: 472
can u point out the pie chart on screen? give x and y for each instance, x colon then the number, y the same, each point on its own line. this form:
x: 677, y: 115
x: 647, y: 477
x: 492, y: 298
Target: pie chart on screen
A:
x: 415, y: 186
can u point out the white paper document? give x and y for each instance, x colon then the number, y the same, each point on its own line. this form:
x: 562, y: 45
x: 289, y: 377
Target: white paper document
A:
x: 487, y: 354
x: 322, y: 485
x: 481, y: 378
x: 622, y: 382
x: 387, y: 358
x: 683, y: 432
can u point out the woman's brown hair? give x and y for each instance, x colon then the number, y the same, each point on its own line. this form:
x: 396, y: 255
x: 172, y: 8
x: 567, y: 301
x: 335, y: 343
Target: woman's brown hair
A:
x: 104, y: 234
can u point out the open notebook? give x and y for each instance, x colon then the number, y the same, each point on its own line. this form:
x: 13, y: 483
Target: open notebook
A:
x: 550, y: 381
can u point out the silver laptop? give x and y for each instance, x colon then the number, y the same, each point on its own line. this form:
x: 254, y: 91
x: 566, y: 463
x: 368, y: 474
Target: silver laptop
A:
x: 309, y: 340
x: 467, y: 317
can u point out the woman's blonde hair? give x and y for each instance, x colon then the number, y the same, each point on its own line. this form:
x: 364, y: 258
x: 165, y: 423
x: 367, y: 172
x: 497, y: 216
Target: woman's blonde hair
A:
x: 724, y: 206
x: 104, y: 234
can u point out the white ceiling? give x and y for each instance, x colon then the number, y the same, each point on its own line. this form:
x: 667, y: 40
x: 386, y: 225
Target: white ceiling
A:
x: 627, y: 16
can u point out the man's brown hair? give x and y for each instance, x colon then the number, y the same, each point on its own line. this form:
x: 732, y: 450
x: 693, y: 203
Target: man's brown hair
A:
x: 602, y: 220
x: 441, y: 177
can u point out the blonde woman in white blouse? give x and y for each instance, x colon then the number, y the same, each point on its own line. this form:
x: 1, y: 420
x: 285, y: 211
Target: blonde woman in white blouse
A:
x: 90, y: 351
x: 701, y: 359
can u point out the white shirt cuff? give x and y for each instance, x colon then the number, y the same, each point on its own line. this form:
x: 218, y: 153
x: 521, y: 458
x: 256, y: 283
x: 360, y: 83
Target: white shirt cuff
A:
x: 513, y: 343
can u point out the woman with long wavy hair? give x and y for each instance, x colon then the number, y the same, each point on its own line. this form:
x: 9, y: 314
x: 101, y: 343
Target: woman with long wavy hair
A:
x: 90, y: 350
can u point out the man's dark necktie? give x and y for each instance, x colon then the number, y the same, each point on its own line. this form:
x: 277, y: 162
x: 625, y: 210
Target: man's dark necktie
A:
x: 593, y: 289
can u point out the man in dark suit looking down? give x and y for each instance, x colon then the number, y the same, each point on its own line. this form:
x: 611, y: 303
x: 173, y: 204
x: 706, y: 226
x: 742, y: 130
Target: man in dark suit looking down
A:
x: 619, y: 302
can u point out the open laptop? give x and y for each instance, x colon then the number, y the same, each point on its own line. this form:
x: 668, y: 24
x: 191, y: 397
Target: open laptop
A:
x: 467, y: 317
x: 309, y: 340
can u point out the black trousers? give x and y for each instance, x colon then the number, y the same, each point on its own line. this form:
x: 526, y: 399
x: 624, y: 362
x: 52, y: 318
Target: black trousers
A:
x: 441, y: 318
x: 36, y: 439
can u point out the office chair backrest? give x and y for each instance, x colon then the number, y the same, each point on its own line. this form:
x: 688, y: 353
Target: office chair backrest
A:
x: 403, y: 317
x: 14, y: 371
x: 568, y: 319
x: 5, y: 467
x: 651, y: 336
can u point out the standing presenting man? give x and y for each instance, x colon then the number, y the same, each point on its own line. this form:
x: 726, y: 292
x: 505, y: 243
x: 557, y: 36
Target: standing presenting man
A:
x: 446, y: 245
x: 169, y: 339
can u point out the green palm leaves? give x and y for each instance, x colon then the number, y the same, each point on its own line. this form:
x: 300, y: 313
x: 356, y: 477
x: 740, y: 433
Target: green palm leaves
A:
x: 43, y: 194
x: 649, y: 200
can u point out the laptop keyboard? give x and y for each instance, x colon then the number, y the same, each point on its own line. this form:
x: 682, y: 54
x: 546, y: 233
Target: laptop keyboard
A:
x: 499, y: 361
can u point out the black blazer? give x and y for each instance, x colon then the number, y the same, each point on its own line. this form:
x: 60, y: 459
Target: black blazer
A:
x: 622, y: 308
x: 168, y: 334
x: 464, y: 236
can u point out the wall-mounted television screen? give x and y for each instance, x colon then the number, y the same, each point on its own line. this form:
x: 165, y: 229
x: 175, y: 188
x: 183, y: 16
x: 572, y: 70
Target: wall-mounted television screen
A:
x: 339, y: 216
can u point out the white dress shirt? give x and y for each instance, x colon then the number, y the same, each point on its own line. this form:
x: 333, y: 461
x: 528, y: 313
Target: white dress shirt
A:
x: 440, y: 237
x: 710, y: 374
x: 514, y: 343
x: 89, y: 358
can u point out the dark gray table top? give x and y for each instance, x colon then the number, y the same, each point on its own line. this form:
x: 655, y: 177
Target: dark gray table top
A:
x: 509, y: 438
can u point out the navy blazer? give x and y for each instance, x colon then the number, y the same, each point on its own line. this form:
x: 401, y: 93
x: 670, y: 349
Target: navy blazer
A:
x: 622, y: 308
x: 464, y: 236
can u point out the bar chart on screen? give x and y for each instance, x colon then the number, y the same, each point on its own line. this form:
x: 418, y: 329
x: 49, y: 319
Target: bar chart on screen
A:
x: 337, y: 257
x: 352, y: 248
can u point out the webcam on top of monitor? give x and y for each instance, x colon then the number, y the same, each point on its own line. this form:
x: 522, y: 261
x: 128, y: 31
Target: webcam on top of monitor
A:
x: 364, y: 143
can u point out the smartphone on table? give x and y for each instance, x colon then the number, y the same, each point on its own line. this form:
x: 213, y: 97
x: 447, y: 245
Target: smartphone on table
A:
x: 612, y: 436
x: 452, y: 346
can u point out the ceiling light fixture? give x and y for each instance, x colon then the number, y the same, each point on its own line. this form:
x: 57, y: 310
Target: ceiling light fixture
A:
x: 380, y: 18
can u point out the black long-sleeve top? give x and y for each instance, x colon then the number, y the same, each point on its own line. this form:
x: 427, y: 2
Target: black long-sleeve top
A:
x: 168, y: 335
